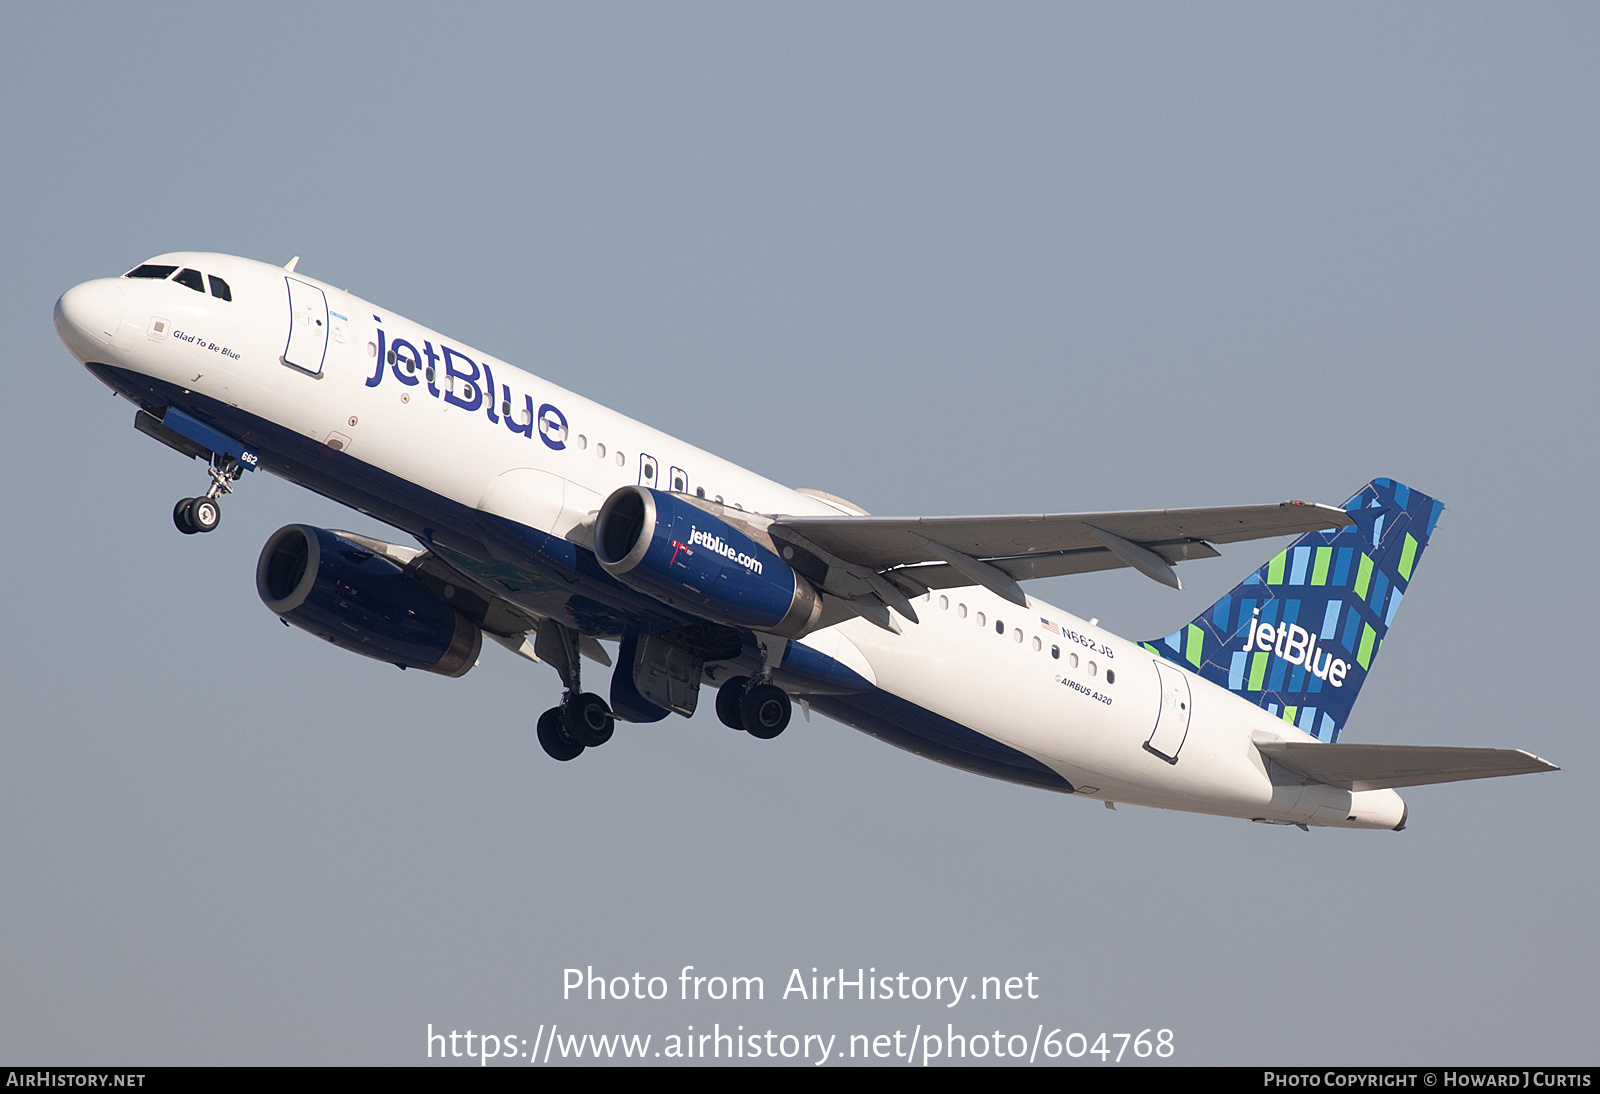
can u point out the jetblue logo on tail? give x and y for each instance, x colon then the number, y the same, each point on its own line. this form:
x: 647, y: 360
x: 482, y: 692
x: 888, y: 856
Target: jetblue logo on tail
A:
x: 1298, y: 636
x: 1297, y: 646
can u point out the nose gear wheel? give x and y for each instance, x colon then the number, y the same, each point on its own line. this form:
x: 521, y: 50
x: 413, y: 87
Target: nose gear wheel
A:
x: 204, y: 513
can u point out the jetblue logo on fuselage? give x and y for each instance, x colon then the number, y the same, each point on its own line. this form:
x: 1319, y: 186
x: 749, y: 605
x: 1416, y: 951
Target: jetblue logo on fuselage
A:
x: 717, y: 546
x: 466, y: 384
x: 552, y: 427
x: 1297, y: 646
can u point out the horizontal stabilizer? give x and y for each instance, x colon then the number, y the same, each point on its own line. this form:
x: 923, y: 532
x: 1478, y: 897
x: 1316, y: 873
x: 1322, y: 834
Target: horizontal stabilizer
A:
x: 1377, y: 767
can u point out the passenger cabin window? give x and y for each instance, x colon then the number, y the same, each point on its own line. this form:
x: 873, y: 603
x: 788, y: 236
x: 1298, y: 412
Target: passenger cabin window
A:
x: 191, y: 279
x: 156, y: 273
x: 220, y: 290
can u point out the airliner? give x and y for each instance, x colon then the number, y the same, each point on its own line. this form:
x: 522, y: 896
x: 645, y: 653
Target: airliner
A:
x: 550, y: 525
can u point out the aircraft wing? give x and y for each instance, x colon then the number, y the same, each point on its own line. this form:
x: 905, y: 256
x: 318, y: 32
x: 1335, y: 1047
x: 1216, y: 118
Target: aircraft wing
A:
x: 507, y: 623
x: 1377, y: 767
x: 918, y: 553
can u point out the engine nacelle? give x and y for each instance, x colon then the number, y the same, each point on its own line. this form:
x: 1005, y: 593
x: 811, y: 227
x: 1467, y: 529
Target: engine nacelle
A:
x: 663, y: 546
x: 339, y: 590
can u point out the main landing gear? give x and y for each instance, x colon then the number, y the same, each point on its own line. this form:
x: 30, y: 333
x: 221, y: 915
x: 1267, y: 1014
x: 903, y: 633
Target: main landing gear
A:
x: 204, y: 513
x: 760, y: 709
x: 583, y: 720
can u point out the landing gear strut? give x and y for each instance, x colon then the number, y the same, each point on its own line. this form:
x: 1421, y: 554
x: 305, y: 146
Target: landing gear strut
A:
x: 204, y: 513
x: 760, y: 709
x: 583, y: 720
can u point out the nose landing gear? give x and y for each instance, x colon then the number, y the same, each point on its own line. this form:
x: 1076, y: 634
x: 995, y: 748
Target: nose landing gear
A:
x: 204, y: 513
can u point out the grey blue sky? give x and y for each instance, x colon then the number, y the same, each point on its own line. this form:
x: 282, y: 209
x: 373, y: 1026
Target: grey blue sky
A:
x: 932, y: 258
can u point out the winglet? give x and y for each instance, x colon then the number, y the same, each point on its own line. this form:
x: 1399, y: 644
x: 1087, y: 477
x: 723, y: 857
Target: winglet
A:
x: 292, y: 263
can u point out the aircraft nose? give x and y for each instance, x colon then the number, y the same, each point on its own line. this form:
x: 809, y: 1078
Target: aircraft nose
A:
x: 89, y: 315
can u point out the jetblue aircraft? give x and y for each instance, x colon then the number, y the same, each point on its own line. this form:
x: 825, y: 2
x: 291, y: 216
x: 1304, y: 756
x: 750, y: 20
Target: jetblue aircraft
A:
x: 549, y: 523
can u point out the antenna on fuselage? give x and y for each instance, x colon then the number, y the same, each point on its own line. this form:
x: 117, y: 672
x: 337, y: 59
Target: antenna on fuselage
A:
x: 290, y: 265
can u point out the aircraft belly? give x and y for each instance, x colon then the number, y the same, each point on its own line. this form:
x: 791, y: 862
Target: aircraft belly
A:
x: 898, y: 721
x: 967, y: 676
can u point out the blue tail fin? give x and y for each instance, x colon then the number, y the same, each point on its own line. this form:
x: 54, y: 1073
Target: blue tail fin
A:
x: 1299, y: 635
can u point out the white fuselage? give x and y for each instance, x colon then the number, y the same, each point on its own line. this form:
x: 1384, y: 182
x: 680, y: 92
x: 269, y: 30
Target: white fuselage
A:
x: 1077, y: 699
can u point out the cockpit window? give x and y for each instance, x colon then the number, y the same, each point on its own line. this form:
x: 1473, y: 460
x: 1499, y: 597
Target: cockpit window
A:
x: 191, y: 279
x: 159, y: 273
x: 219, y: 288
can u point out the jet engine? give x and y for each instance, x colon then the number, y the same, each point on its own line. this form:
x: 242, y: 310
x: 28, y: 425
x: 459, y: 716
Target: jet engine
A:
x: 665, y: 546
x: 337, y: 589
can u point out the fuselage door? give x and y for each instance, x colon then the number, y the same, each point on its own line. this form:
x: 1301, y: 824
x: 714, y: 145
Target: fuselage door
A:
x: 649, y: 474
x: 1172, y: 721
x: 308, y: 327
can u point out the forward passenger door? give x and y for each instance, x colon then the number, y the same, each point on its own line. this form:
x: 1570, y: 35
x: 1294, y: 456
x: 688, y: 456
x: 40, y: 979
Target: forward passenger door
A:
x: 308, y: 327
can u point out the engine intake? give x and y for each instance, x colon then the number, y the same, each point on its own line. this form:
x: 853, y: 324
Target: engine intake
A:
x: 340, y: 591
x: 666, y: 547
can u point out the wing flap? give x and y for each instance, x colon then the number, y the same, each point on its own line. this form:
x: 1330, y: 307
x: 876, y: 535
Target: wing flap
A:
x: 940, y: 575
x: 1379, y: 767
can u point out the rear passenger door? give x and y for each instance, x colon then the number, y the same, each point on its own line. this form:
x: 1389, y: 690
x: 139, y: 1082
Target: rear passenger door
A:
x: 1172, y: 720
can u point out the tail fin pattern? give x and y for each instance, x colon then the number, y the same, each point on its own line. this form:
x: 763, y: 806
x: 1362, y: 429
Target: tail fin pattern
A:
x: 1298, y: 636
